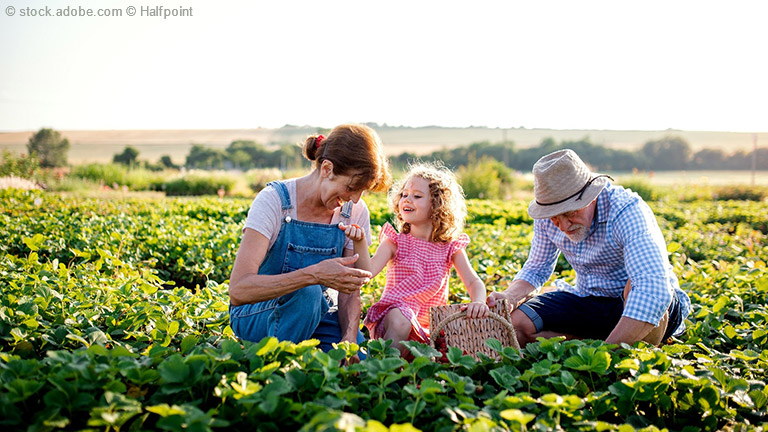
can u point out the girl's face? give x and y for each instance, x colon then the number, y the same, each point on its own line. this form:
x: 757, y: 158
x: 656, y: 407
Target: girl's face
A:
x: 415, y: 203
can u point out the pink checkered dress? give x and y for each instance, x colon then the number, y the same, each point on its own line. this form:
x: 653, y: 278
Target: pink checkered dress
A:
x: 417, y: 279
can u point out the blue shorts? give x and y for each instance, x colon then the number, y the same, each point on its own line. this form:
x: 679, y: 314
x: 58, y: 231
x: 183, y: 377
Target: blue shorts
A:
x: 588, y: 317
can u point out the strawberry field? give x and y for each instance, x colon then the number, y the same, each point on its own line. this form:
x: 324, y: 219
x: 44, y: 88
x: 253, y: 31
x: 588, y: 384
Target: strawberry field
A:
x: 113, y: 317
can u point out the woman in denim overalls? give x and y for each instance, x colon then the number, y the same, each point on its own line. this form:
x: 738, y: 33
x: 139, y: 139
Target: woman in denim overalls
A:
x: 293, y: 250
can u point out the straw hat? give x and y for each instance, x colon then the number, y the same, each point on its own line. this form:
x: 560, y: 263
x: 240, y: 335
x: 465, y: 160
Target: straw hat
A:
x: 562, y: 183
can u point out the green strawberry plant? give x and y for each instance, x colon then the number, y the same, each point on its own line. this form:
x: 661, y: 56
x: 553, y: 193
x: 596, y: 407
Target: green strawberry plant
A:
x: 114, y: 317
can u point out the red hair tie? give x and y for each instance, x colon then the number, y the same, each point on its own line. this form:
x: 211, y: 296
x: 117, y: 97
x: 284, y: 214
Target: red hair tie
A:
x: 318, y: 140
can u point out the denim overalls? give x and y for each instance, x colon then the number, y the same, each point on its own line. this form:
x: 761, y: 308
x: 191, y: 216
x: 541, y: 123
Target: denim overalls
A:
x: 307, y: 313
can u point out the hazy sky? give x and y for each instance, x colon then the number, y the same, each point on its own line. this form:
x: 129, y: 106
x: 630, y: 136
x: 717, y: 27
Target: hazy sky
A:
x: 650, y: 65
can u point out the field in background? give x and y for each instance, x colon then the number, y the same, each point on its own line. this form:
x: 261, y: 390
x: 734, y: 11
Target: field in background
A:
x: 101, y: 146
x: 697, y: 178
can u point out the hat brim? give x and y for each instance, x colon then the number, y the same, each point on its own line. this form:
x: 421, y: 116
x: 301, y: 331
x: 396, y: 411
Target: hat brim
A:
x: 537, y: 211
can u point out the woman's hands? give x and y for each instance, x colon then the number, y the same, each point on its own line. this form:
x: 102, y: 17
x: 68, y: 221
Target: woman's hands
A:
x: 338, y: 273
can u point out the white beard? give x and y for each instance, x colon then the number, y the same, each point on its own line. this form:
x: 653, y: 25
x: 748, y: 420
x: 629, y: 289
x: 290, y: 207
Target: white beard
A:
x: 578, y: 235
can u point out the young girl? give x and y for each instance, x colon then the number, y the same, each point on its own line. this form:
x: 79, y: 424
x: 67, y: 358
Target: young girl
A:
x: 430, y: 210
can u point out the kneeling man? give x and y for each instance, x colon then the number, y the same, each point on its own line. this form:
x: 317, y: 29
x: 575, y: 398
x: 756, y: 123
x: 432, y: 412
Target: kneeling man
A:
x: 625, y: 289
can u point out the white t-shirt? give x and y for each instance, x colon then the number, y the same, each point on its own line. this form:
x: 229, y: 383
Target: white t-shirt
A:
x: 266, y: 214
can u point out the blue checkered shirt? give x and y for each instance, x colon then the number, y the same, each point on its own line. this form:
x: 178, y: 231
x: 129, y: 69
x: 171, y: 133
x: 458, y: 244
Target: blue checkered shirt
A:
x: 625, y: 242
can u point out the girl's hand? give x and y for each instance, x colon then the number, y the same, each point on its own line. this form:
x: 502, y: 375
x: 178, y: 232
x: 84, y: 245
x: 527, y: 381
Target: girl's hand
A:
x: 476, y: 309
x: 353, y: 231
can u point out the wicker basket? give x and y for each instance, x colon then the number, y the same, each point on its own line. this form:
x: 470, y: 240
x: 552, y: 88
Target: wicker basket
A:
x: 470, y: 334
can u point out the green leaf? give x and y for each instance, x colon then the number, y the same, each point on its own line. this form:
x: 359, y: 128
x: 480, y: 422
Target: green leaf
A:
x: 673, y: 247
x: 457, y: 358
x: 21, y: 389
x: 506, y: 377
x: 589, y: 359
x: 719, y: 375
x: 266, y: 346
x: 173, y: 369
x: 494, y: 344
x: 420, y: 350
x: 746, y: 355
x: 407, y: 427
x: 759, y: 398
x: 78, y: 338
x: 173, y: 328
x: 518, y: 416
x: 98, y: 350
x: 189, y: 342
x: 243, y: 386
x: 34, y: 242
x: 165, y: 410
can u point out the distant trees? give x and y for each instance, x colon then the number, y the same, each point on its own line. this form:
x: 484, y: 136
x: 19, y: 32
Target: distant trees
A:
x: 486, y: 178
x: 709, y: 159
x: 245, y: 155
x: 668, y: 153
x: 204, y: 158
x: 127, y: 157
x: 248, y: 154
x: 49, y: 148
x: 523, y: 159
x: 166, y: 162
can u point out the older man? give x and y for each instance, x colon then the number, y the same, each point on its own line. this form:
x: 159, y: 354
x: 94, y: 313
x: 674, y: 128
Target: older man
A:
x: 625, y: 289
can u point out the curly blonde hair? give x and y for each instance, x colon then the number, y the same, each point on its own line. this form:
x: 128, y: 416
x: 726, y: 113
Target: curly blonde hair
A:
x: 449, y: 210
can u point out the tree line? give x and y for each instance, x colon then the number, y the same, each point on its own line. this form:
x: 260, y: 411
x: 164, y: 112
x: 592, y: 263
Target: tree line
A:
x: 665, y: 154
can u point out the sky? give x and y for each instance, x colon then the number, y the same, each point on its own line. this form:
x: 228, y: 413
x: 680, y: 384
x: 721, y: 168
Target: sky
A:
x: 619, y: 65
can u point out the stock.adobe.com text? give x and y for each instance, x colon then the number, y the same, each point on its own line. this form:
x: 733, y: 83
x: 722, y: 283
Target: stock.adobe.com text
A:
x: 80, y: 11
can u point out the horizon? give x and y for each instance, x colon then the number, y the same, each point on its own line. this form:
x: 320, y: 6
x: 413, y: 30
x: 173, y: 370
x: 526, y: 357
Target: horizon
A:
x: 679, y: 66
x: 101, y: 146
x: 383, y: 126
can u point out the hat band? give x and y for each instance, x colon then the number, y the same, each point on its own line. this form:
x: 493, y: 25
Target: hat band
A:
x: 579, y: 193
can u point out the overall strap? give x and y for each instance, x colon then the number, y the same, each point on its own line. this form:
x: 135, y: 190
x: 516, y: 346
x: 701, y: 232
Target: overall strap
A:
x: 282, y: 191
x: 346, y: 209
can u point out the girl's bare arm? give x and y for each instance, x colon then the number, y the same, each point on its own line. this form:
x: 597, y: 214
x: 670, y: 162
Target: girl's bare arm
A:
x: 475, y: 286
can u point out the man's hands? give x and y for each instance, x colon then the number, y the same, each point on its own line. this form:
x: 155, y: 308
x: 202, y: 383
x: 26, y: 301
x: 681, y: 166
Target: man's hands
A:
x: 516, y: 293
x: 496, y: 296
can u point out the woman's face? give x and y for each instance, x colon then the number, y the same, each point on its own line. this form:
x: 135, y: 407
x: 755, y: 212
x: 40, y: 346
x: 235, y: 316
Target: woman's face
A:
x: 336, y: 189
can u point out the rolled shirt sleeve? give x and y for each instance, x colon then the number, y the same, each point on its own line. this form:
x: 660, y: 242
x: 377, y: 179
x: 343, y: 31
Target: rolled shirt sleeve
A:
x: 646, y: 263
x: 542, y: 258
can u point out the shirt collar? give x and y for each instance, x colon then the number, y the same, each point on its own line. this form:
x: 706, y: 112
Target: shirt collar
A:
x: 601, y: 215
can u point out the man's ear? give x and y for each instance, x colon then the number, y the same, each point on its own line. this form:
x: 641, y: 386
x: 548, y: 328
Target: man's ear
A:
x: 326, y: 169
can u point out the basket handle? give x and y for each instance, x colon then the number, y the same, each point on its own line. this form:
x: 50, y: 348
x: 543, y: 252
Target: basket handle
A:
x: 456, y: 315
